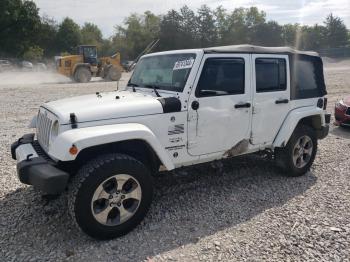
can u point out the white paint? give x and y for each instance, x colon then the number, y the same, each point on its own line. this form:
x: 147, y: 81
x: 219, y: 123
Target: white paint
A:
x: 293, y: 118
x: 105, y: 106
x: 97, y: 135
x: 216, y: 127
x: 268, y: 116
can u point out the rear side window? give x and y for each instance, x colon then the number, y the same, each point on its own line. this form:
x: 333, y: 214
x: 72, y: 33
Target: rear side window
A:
x: 271, y: 74
x: 221, y: 76
x: 307, y: 77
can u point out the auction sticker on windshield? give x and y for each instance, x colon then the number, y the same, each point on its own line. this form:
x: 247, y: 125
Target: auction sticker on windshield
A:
x: 188, y: 63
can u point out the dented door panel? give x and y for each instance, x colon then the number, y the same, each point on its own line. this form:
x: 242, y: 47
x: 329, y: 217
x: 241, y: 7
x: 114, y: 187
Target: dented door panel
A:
x: 219, y: 125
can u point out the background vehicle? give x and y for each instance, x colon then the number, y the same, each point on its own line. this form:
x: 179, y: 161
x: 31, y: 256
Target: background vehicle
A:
x: 40, y: 67
x: 85, y: 64
x: 127, y: 64
x: 342, y: 112
x: 182, y: 108
x: 5, y: 65
x: 26, y: 66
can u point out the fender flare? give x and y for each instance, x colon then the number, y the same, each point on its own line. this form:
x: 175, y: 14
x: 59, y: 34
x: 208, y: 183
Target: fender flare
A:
x: 292, y: 120
x: 88, y: 137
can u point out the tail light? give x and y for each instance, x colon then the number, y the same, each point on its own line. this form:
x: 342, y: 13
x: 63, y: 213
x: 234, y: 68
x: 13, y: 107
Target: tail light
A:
x: 320, y: 103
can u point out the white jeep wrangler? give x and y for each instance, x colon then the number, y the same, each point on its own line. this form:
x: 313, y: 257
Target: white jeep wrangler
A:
x: 180, y: 108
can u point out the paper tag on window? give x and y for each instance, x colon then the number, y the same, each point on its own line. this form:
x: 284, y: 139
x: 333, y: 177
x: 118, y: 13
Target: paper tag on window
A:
x: 183, y: 64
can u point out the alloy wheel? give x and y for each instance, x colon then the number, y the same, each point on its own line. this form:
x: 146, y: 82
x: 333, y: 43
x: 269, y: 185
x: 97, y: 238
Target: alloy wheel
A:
x: 116, y: 200
x: 302, y: 151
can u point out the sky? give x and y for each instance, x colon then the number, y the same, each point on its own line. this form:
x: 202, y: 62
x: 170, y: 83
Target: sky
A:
x: 108, y: 13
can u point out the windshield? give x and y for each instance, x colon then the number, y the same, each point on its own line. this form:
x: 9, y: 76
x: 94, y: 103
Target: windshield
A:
x: 90, y: 52
x: 167, y: 72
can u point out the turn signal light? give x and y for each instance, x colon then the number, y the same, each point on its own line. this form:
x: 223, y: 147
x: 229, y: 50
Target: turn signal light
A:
x: 73, y: 150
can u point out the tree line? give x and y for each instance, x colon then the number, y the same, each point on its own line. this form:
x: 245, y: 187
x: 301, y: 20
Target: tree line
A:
x: 24, y: 34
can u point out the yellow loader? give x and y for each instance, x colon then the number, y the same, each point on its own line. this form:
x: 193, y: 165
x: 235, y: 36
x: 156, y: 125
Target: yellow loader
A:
x: 85, y: 64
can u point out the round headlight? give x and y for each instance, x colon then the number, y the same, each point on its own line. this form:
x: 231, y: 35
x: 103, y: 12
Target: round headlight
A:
x: 54, y: 130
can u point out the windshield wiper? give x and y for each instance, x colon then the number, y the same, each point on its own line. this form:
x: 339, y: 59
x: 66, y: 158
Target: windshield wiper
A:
x: 154, y: 89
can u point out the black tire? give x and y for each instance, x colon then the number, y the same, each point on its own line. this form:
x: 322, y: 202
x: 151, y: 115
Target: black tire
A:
x: 82, y: 75
x: 113, y: 74
x: 284, y: 156
x: 90, y: 177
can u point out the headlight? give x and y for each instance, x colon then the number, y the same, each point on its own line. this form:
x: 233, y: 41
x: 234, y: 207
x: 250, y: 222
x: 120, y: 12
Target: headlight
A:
x: 54, y: 130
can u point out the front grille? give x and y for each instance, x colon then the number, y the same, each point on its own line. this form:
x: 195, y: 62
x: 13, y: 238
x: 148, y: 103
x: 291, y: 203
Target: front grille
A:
x: 43, y: 129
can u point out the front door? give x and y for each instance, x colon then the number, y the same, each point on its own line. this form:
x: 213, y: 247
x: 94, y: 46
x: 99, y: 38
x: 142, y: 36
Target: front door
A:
x: 219, y: 111
x: 271, y: 96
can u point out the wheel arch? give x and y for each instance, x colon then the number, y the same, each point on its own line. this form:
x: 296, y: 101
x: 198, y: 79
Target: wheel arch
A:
x: 136, y: 148
x: 314, y: 121
x: 309, y: 116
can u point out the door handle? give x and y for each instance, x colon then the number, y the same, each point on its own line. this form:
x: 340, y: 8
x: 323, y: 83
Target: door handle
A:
x: 243, y: 105
x: 282, y: 101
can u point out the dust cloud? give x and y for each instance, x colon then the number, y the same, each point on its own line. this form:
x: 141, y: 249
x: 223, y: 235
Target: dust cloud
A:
x: 19, y: 78
x: 334, y: 64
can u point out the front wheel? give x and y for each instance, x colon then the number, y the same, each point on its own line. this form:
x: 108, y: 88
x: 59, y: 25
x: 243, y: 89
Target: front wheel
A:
x: 82, y: 75
x: 110, y: 195
x: 299, y: 154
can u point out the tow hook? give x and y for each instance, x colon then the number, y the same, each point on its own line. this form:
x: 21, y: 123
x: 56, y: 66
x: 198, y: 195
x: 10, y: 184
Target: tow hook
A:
x: 28, y: 157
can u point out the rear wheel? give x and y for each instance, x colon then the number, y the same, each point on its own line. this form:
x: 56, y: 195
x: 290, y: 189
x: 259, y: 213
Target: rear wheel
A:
x: 299, y: 154
x: 110, y: 195
x: 82, y: 75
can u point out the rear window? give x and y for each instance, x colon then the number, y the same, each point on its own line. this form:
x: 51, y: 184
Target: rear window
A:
x: 306, y: 75
x: 308, y: 78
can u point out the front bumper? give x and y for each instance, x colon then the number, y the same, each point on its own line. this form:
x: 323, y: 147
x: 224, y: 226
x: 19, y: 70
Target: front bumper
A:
x: 35, y: 168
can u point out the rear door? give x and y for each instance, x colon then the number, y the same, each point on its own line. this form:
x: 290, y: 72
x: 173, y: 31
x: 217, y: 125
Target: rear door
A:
x: 271, y: 103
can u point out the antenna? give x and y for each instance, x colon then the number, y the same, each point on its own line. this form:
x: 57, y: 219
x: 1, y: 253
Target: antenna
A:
x: 148, y: 49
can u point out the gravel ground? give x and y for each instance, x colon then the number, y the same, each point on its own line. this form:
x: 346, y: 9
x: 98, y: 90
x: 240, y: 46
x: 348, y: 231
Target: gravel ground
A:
x: 229, y: 210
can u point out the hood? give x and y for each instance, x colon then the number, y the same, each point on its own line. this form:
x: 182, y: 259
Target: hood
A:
x: 101, y: 106
x: 346, y: 101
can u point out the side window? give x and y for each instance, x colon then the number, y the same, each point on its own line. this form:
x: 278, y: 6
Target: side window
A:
x: 271, y: 74
x: 221, y: 76
x: 308, y: 78
x: 306, y: 75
